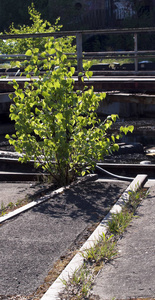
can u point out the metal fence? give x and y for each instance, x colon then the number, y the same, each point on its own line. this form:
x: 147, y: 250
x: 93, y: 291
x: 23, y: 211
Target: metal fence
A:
x: 135, y: 54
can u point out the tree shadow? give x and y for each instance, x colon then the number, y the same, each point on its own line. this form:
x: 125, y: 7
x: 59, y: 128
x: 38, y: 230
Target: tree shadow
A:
x: 92, y: 200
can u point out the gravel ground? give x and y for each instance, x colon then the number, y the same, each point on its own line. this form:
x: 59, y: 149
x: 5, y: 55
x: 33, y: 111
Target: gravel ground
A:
x: 32, y: 242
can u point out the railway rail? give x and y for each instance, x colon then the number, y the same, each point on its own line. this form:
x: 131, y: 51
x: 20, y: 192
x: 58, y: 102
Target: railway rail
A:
x: 129, y: 89
x: 12, y: 170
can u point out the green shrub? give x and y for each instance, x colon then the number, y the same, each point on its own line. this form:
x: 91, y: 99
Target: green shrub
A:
x: 55, y: 125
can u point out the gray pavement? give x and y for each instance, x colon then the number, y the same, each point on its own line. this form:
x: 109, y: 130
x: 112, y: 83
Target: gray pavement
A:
x: 31, y: 243
x: 17, y: 191
x: 132, y: 273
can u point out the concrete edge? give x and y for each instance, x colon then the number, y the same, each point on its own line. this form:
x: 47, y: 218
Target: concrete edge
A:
x: 45, y: 198
x: 78, y: 260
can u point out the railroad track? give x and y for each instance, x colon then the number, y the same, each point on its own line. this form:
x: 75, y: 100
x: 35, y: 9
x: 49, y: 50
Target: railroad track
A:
x: 13, y: 170
x: 125, y: 170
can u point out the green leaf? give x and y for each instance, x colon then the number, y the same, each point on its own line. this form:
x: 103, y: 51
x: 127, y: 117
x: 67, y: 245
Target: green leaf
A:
x: 37, y: 111
x: 113, y: 138
x: 36, y: 50
x: 83, y: 173
x: 131, y: 128
x: 114, y: 117
x: 18, y: 64
x: 87, y: 65
x: 51, y: 51
x: 59, y: 116
x: 45, y: 94
x: 28, y: 52
x: 80, y: 74
x: 88, y: 74
x: 57, y: 84
x: 11, y: 96
x: 115, y: 147
x: 72, y: 69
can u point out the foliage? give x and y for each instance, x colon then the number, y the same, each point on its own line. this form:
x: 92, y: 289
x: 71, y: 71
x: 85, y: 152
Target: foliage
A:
x: 119, y: 222
x: 135, y: 197
x: 79, y: 285
x: 104, y: 250
x: 56, y: 125
x: 17, y: 46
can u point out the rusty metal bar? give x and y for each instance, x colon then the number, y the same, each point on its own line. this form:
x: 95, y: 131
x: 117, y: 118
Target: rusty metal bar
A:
x: 80, y: 55
x: 74, y: 33
x: 79, y: 52
x: 136, y: 50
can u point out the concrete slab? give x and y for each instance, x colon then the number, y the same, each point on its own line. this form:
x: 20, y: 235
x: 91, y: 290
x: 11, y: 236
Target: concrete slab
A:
x: 132, y: 273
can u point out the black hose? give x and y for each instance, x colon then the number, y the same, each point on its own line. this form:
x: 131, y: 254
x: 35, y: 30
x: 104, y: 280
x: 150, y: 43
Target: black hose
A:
x: 114, y: 175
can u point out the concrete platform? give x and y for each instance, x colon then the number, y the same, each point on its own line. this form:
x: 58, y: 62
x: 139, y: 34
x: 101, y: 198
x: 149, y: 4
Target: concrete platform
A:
x: 132, y: 273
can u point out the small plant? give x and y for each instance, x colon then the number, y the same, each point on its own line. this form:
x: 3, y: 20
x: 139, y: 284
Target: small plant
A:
x: 2, y: 210
x: 135, y: 197
x: 10, y: 205
x: 2, y: 205
x: 119, y: 222
x: 104, y: 250
x: 79, y: 285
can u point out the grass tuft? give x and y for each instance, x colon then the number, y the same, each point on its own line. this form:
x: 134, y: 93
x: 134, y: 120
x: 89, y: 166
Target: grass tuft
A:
x: 104, y: 250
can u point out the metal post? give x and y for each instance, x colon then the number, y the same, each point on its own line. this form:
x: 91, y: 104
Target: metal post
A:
x: 79, y: 52
x: 135, y: 52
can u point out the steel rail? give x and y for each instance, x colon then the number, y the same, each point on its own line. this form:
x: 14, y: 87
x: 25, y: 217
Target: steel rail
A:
x: 13, y: 170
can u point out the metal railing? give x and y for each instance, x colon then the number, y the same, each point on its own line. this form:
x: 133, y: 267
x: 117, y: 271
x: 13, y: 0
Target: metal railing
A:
x: 135, y: 54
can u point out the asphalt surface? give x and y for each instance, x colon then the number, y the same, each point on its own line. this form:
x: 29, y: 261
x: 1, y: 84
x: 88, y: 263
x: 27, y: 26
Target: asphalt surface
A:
x: 18, y: 191
x: 132, y: 273
x: 34, y: 240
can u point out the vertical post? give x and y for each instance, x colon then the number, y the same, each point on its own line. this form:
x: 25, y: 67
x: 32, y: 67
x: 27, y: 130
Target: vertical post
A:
x: 135, y: 52
x: 79, y: 52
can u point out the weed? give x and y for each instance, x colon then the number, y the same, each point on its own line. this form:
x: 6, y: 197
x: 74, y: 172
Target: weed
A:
x: 10, y: 205
x: 79, y: 285
x: 119, y: 222
x: 3, y: 213
x: 103, y: 250
x: 2, y: 210
x: 135, y: 197
x: 2, y: 206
